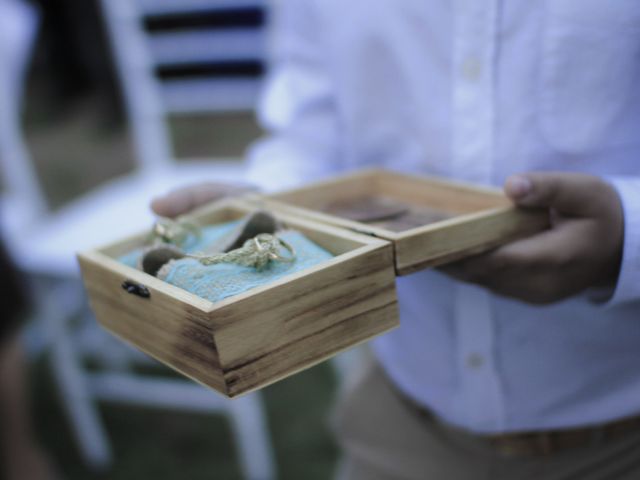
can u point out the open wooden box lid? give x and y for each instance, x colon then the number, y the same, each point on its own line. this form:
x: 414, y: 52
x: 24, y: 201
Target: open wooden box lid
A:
x: 429, y: 221
x: 254, y: 338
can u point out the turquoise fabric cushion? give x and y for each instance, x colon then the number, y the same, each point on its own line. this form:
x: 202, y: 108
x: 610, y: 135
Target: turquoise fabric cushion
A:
x: 209, y: 236
x: 220, y: 281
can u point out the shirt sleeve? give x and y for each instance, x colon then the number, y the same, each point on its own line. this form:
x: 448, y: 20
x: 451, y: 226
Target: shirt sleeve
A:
x: 297, y: 108
x: 628, y: 285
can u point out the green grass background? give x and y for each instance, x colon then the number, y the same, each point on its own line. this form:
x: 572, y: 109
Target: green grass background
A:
x: 165, y: 445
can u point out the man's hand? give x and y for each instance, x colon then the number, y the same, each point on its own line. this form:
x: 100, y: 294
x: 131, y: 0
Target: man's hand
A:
x: 582, y: 249
x: 183, y: 200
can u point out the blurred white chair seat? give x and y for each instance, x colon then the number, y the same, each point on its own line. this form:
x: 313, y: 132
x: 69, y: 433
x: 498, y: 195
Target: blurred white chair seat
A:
x: 110, y: 212
x: 47, y: 249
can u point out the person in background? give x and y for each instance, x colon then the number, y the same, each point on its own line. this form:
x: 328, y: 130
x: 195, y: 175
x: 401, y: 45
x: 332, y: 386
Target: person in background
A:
x: 22, y: 457
x: 522, y: 363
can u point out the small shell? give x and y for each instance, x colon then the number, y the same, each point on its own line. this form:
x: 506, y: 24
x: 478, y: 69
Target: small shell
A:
x: 154, y: 258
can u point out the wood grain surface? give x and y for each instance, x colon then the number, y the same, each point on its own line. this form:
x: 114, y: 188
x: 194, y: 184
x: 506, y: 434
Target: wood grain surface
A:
x: 458, y: 219
x: 255, y: 338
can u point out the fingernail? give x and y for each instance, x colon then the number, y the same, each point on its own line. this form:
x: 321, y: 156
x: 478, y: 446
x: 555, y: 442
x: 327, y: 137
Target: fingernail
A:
x: 159, y: 206
x: 518, y: 186
x: 156, y: 201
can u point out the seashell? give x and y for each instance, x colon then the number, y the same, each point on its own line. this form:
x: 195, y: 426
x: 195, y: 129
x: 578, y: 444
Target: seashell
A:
x: 156, y: 257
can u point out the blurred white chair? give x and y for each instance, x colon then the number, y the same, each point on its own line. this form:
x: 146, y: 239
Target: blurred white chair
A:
x: 184, y: 56
x: 44, y: 245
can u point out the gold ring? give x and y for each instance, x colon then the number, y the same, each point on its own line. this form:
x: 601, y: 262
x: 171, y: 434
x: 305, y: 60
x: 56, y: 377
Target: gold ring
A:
x: 160, y: 230
x: 292, y: 253
x: 274, y: 256
x: 256, y: 240
x: 174, y: 231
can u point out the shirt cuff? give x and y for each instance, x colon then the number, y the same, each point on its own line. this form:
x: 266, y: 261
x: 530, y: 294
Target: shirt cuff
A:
x: 628, y: 286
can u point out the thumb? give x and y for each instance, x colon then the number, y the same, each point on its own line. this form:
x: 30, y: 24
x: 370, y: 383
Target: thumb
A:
x: 569, y: 193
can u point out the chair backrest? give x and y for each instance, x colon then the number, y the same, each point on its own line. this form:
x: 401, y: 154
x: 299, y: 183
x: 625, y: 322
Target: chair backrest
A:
x: 184, y: 56
x: 21, y: 188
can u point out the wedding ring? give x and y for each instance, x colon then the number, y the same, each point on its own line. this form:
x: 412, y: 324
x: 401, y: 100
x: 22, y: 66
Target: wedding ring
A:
x: 282, y: 258
x: 174, y: 231
x: 275, y: 256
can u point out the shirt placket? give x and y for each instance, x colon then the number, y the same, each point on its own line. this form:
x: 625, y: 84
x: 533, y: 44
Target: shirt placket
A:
x: 474, y: 50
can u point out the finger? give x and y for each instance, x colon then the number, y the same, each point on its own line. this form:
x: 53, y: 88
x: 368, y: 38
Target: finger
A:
x: 488, y: 272
x: 185, y: 199
x: 569, y: 193
x: 512, y: 266
x: 479, y: 269
x: 532, y: 287
x: 560, y: 248
x: 539, y: 288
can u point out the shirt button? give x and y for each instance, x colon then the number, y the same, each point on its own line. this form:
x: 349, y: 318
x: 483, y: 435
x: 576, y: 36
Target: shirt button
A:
x: 475, y: 360
x: 471, y: 68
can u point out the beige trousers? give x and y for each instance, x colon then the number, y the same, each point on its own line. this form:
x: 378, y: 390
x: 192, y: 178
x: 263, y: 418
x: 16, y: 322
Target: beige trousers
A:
x: 384, y: 438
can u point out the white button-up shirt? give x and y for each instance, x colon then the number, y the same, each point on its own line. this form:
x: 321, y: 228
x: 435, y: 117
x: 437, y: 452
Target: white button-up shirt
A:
x: 475, y: 90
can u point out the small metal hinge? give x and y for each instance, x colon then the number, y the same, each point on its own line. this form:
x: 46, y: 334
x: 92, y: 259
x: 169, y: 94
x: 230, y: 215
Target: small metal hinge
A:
x: 136, y: 289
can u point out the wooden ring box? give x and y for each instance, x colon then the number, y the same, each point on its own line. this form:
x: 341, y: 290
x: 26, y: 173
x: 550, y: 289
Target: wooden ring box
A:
x: 258, y: 337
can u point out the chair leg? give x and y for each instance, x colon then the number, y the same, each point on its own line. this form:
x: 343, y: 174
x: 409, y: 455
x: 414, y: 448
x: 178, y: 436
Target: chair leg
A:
x: 248, y: 421
x: 67, y: 368
x: 81, y: 409
x: 348, y: 362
